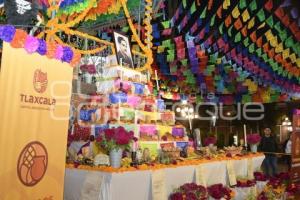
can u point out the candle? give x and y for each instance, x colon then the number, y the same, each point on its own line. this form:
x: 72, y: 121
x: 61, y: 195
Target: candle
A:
x: 245, y: 135
x: 121, y: 62
x: 156, y: 78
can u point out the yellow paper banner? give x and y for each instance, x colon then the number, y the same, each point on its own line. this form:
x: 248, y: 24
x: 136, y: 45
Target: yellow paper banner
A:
x: 35, y: 99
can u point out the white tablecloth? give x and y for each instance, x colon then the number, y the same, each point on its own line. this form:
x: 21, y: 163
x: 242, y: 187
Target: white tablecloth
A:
x: 87, y: 185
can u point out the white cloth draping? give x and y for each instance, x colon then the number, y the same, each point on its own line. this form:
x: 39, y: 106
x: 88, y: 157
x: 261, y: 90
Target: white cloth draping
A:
x: 137, y: 185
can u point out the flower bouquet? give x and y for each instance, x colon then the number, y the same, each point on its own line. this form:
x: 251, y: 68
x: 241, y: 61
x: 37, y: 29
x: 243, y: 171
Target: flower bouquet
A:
x: 253, y: 140
x: 218, y: 191
x: 189, y: 191
x: 115, y: 140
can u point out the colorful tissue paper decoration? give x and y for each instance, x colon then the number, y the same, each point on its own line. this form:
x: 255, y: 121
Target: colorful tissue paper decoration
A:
x: 248, y: 57
x: 20, y: 39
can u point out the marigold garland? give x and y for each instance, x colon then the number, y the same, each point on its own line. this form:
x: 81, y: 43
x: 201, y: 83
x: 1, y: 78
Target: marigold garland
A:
x: 159, y: 166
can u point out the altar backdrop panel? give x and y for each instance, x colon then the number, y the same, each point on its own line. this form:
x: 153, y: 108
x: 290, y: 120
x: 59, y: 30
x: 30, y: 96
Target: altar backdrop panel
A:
x: 35, y: 98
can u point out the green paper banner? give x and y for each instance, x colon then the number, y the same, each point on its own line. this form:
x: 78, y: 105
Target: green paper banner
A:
x: 270, y: 21
x: 238, y: 37
x: 242, y: 4
x: 203, y: 14
x: 212, y: 22
x: 261, y: 15
x: 193, y: 8
x: 253, y: 5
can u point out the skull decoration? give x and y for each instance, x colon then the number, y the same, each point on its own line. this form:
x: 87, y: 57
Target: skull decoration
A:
x: 23, y: 6
x: 21, y: 12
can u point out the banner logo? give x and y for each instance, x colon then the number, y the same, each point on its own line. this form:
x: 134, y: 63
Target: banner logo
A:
x: 40, y: 81
x: 32, y: 163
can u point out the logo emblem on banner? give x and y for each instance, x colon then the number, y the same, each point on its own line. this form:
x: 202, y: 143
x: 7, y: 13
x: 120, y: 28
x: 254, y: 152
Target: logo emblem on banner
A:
x: 32, y: 163
x: 40, y: 81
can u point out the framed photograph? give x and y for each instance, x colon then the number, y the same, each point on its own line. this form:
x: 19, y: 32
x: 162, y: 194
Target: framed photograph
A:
x: 123, y: 50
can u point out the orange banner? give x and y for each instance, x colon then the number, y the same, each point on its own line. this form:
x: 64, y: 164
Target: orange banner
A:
x: 35, y: 98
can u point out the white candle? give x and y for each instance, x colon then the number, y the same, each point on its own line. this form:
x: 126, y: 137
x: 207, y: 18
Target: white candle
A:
x: 156, y: 78
x: 121, y: 62
x: 245, y: 135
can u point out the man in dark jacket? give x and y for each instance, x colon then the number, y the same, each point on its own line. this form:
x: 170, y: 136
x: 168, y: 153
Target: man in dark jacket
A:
x: 269, y: 146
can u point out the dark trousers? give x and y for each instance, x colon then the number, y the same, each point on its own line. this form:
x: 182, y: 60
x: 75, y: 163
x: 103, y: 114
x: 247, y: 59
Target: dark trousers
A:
x: 288, y: 160
x: 270, y: 165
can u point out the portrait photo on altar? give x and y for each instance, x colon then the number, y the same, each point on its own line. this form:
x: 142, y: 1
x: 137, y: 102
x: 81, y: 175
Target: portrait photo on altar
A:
x: 123, y: 50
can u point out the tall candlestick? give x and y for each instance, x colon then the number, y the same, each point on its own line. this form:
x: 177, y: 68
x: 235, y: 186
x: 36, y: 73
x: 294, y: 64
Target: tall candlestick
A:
x: 156, y: 78
x: 245, y: 135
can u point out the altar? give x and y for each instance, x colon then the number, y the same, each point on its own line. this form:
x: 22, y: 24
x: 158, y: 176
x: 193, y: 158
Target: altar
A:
x: 136, y: 185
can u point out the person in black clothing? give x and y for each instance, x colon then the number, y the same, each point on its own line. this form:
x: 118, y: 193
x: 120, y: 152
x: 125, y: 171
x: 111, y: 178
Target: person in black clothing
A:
x: 269, y: 146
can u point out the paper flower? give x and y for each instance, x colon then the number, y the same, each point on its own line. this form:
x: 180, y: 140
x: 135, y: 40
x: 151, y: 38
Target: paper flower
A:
x: 59, y: 52
x: 19, y: 39
x: 31, y: 44
x: 42, y: 49
x: 67, y: 54
x: 7, y: 33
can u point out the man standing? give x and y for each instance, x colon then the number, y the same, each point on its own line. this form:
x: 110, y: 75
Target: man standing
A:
x: 268, y: 145
x: 122, y: 53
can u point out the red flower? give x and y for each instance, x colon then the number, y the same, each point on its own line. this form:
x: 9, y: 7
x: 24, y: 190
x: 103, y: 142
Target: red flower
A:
x: 176, y: 196
x: 109, y: 133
